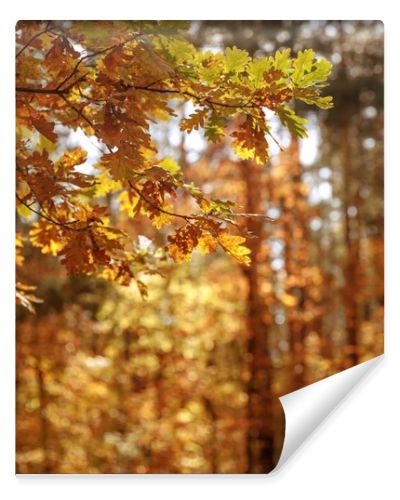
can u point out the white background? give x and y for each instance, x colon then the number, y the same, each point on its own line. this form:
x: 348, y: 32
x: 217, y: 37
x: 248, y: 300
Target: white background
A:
x: 354, y: 453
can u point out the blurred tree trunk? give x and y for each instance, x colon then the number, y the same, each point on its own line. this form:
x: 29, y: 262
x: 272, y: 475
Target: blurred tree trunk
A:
x: 42, y: 397
x: 296, y: 253
x: 260, y: 440
x: 352, y: 240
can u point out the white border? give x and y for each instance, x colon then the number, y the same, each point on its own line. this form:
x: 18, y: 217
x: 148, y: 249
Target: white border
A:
x: 354, y: 453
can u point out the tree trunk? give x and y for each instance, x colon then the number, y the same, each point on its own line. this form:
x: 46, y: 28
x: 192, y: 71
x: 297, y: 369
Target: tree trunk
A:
x: 260, y: 440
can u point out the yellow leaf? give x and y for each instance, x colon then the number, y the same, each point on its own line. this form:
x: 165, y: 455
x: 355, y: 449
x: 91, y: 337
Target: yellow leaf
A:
x: 233, y: 245
x: 207, y: 244
x: 105, y: 184
x: 44, y: 144
x: 176, y: 253
x: 19, y: 243
x: 242, y: 152
x: 24, y: 211
x: 128, y: 203
x: 162, y: 219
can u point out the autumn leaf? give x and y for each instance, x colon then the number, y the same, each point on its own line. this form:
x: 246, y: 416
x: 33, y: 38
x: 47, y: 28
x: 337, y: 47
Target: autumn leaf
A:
x: 45, y: 128
x: 183, y: 242
x: 195, y: 120
x: 207, y: 244
x: 25, y: 298
x: 19, y: 244
x: 78, y: 254
x: 163, y: 218
x: 250, y: 142
x: 129, y: 202
x: 47, y: 237
x: 105, y: 184
x: 232, y: 244
x: 119, y: 165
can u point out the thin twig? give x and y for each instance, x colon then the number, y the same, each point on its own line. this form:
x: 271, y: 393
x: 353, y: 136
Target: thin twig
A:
x: 192, y: 96
x: 33, y: 38
x: 79, y: 112
x: 44, y: 215
x: 276, y: 141
x: 95, y: 54
x: 187, y: 218
x: 60, y: 92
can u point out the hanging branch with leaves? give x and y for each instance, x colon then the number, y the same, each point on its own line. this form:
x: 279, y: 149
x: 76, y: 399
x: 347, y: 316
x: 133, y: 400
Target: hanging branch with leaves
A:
x: 112, y: 80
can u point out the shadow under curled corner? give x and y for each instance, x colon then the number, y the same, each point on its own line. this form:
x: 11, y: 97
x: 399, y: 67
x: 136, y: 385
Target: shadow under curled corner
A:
x: 306, y: 408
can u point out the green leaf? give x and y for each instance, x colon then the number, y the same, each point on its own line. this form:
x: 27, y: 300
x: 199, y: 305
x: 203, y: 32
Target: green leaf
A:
x: 320, y: 72
x: 324, y: 102
x: 293, y: 122
x: 257, y: 68
x: 312, y: 97
x: 321, y: 102
x: 214, y: 128
x: 308, y: 71
x: 302, y: 65
x: 181, y: 50
x: 236, y: 59
x: 283, y: 62
x: 213, y: 132
x: 210, y: 74
x: 170, y: 165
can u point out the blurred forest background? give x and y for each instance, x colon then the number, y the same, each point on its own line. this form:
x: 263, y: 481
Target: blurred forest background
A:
x: 110, y: 383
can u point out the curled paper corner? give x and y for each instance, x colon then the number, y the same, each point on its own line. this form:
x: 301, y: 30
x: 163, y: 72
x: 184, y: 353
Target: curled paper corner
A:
x: 306, y: 408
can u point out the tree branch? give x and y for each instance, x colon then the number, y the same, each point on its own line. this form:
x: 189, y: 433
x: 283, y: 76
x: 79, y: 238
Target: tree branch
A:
x: 79, y: 112
x: 32, y: 39
x: 94, y: 54
x: 43, y: 215
x: 60, y: 92
x: 194, y: 96
x: 187, y: 218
